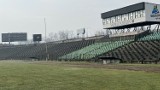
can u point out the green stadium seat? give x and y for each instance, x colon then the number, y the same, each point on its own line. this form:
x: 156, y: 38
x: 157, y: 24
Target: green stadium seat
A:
x: 94, y: 50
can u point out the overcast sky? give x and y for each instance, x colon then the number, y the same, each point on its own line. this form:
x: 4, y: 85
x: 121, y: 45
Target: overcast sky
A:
x: 28, y: 15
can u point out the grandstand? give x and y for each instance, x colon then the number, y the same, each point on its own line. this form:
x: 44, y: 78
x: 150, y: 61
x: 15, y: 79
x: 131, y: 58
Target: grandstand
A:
x: 55, y: 50
x: 127, y: 49
x: 139, y: 52
x: 132, y: 42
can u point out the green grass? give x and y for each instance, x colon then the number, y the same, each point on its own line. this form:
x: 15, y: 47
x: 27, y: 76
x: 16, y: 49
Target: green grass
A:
x: 18, y: 75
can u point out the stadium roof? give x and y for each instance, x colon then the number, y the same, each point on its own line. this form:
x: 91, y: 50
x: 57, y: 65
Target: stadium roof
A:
x: 124, y: 10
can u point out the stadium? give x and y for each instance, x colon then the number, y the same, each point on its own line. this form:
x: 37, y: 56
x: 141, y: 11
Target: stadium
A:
x: 126, y: 58
x: 133, y: 36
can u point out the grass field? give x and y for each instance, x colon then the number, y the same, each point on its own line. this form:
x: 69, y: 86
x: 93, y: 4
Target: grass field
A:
x: 19, y: 75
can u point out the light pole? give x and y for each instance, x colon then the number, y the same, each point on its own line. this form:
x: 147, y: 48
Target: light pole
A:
x: 46, y: 40
x: 9, y: 38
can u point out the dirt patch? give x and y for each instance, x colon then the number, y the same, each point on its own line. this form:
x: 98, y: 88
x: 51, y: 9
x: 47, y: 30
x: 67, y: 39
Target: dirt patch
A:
x: 132, y: 67
x: 145, y: 68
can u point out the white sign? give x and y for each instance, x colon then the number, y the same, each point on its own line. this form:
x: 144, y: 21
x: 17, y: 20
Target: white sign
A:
x: 152, y: 12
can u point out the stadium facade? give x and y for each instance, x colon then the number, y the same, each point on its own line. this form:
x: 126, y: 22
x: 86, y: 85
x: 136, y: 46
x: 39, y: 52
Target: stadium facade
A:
x: 132, y: 16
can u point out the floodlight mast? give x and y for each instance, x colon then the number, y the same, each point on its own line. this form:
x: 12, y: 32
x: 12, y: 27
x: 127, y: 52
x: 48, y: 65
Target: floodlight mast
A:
x: 47, y: 56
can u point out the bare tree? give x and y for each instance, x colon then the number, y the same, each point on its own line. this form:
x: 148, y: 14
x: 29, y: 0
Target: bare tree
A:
x: 100, y: 32
x: 63, y: 35
x: 71, y: 35
x: 55, y: 36
x: 29, y: 42
x: 50, y: 37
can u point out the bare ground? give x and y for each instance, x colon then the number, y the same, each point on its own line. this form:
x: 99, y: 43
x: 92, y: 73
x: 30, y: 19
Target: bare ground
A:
x: 155, y: 68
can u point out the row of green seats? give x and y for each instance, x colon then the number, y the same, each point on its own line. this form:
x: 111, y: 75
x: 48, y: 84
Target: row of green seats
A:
x: 153, y: 36
x: 80, y: 52
x: 94, y: 50
x: 107, y: 47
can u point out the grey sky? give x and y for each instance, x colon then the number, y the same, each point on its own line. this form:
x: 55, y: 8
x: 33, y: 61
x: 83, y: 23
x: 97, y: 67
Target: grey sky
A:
x: 27, y: 15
